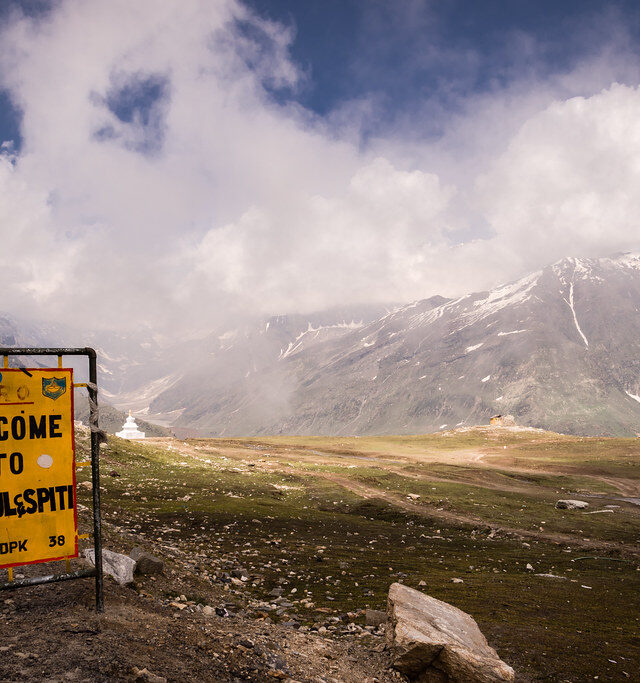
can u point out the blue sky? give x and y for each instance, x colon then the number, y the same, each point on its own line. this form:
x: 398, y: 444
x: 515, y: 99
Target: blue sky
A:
x: 405, y: 51
x: 409, y: 54
x: 233, y: 158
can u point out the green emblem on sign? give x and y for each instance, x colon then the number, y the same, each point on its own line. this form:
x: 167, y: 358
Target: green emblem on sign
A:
x: 54, y: 387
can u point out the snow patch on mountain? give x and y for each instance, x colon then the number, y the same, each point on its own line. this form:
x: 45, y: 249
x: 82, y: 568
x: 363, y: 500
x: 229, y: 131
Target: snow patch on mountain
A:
x: 315, y: 331
x: 630, y: 260
x: 571, y: 305
x: 139, y: 399
x: 504, y: 296
x: 112, y: 359
x: 226, y: 340
x: 431, y: 315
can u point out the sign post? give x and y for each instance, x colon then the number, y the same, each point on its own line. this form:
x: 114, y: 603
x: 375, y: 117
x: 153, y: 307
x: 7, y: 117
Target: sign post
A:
x: 38, y: 510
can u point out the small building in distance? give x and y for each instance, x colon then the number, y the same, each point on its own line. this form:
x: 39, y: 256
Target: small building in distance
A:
x: 130, y: 429
x: 502, y: 421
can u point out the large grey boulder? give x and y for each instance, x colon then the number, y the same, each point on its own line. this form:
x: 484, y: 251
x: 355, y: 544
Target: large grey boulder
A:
x: 572, y: 505
x: 120, y: 567
x: 435, y: 642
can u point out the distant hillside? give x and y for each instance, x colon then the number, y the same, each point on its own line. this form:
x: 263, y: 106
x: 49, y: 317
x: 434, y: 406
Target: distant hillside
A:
x: 18, y: 333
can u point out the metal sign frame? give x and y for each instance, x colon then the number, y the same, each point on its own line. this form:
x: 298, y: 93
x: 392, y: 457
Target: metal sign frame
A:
x: 92, y: 388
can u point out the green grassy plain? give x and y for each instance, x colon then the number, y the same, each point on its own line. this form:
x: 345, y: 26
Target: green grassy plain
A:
x: 340, y: 519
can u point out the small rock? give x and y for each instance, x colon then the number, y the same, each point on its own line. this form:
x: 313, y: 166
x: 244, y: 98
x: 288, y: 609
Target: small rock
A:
x: 571, y: 504
x: 530, y: 567
x: 207, y: 610
x: 374, y: 617
x: 146, y: 563
x: 457, y: 581
x: 118, y: 566
x: 147, y: 676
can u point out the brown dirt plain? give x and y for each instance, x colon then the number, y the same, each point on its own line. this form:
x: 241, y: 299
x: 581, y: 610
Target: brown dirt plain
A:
x: 331, y: 523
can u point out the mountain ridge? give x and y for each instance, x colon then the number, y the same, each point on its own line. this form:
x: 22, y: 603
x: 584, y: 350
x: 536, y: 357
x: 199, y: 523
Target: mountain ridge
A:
x: 558, y: 348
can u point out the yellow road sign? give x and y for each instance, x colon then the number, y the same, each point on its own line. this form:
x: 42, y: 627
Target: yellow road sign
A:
x: 38, y: 519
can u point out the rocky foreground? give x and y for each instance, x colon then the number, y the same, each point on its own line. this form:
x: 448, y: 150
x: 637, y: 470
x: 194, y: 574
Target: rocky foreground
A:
x: 53, y: 633
x: 142, y: 638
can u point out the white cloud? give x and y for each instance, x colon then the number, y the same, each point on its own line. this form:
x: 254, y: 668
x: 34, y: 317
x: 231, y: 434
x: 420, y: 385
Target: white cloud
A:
x: 566, y: 183
x: 376, y: 240
x: 219, y: 200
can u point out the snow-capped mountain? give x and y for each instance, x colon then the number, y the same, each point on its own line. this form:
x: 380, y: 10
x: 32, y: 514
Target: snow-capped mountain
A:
x: 559, y: 349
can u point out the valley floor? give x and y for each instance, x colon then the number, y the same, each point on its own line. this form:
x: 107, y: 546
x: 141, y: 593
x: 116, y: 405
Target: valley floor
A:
x: 291, y: 538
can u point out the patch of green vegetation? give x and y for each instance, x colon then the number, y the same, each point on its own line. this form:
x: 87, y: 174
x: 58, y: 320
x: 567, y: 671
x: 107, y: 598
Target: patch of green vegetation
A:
x: 302, y: 532
x: 614, y: 457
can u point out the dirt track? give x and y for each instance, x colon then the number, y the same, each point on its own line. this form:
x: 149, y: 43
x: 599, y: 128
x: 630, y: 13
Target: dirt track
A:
x: 457, y: 518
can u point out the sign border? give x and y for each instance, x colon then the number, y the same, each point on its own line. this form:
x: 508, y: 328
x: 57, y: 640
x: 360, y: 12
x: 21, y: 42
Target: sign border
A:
x: 73, y: 447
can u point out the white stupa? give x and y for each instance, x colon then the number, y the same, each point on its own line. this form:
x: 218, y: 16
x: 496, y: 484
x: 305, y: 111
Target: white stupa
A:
x: 130, y: 429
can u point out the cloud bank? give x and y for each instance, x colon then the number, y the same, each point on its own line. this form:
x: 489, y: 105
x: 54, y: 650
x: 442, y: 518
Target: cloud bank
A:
x: 169, y: 178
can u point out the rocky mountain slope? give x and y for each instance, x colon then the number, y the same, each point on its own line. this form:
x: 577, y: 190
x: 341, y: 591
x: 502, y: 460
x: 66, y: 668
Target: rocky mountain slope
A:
x: 559, y: 349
